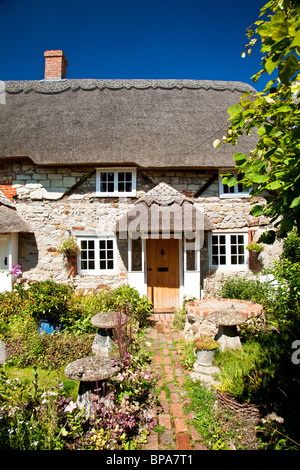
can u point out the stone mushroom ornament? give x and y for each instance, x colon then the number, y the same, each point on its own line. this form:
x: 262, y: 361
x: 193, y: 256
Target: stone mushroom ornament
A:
x: 92, y: 372
x: 107, y: 323
x: 227, y: 321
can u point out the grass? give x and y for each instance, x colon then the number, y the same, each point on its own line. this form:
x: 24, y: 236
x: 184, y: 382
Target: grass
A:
x: 188, y: 357
x: 218, y: 428
x: 235, y: 365
x: 179, y: 319
x: 46, y: 378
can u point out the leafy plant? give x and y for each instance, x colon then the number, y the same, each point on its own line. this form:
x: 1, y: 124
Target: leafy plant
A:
x: 244, y: 288
x: 48, y: 300
x: 179, y: 319
x: 237, y: 370
x: 210, y: 422
x: 188, y: 356
x: 33, y: 418
x: 68, y: 246
x: 273, y: 165
x: 126, y: 298
x: 291, y: 247
x: 255, y: 247
x: 205, y: 343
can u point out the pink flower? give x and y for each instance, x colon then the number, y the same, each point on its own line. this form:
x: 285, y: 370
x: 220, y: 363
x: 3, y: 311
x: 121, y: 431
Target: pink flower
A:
x: 71, y: 407
x: 16, y: 270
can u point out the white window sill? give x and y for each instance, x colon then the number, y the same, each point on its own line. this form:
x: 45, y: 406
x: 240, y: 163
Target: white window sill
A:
x: 234, y: 196
x: 111, y: 272
x: 116, y: 194
x: 233, y: 267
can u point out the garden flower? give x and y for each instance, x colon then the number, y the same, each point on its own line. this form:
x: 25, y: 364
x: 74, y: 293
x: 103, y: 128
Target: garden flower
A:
x: 70, y: 407
x: 16, y: 270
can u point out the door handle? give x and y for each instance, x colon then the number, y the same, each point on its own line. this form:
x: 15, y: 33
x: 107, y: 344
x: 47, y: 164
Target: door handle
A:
x: 149, y: 269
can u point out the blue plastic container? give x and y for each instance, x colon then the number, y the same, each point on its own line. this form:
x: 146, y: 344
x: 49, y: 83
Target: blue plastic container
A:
x: 48, y: 327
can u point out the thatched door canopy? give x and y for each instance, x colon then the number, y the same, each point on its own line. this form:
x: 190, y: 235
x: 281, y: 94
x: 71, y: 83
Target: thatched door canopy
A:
x: 10, y: 219
x: 163, y: 209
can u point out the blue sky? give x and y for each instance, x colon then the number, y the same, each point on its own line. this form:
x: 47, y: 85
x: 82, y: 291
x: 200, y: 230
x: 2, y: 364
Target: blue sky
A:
x: 160, y: 39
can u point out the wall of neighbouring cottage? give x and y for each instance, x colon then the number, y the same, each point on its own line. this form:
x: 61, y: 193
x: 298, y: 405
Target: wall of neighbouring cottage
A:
x: 59, y: 199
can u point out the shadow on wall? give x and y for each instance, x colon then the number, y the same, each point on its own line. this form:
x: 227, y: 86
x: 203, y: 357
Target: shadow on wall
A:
x: 28, y: 251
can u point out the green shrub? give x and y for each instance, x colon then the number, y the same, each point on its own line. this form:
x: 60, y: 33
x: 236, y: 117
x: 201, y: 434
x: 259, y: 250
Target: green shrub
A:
x: 243, y: 288
x: 291, y: 247
x: 21, y: 310
x: 48, y: 300
x: 82, y: 307
x: 11, y: 304
x: 128, y: 300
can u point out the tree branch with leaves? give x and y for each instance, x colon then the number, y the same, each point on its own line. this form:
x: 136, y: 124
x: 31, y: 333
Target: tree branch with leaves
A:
x: 274, y: 114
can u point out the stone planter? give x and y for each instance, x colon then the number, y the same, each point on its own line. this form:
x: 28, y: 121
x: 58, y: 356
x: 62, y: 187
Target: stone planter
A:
x: 205, y: 357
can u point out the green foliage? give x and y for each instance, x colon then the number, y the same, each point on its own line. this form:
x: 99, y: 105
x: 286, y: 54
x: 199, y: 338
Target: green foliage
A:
x: 264, y: 372
x: 255, y: 247
x: 33, y: 418
x: 238, y: 372
x: 125, y: 298
x: 179, y: 319
x: 244, y: 288
x: 21, y: 310
x: 273, y: 165
x: 216, y: 427
x: 128, y: 300
x: 291, y: 247
x: 48, y: 300
x: 205, y: 343
x: 68, y: 246
x: 188, y: 357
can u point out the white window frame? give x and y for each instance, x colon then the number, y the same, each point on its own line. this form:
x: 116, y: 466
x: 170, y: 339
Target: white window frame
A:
x: 137, y: 279
x: 228, y: 264
x: 116, y: 172
x: 236, y: 194
x: 97, y: 269
x: 192, y: 277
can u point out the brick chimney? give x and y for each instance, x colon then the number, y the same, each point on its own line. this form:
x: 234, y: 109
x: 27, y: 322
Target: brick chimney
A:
x: 55, y: 65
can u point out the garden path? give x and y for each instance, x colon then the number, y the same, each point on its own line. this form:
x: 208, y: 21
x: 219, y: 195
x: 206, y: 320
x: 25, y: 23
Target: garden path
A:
x: 176, y: 431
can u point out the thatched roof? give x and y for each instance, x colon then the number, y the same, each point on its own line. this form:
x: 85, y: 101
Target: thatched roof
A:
x: 164, y: 209
x: 146, y: 123
x: 10, y: 219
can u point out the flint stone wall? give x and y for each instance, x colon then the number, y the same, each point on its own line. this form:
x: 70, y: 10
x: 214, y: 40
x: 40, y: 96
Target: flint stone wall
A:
x: 56, y: 200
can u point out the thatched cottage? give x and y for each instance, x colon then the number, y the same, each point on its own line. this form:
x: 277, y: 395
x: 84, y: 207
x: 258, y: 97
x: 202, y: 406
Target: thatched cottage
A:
x: 127, y: 168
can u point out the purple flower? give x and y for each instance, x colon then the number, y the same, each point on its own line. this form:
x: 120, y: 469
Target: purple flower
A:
x: 16, y: 270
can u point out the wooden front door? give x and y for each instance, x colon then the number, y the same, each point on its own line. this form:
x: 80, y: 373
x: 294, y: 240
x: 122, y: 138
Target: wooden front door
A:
x: 163, y: 274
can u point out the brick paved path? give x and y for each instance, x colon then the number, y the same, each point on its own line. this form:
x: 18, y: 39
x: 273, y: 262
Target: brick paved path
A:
x: 177, y: 430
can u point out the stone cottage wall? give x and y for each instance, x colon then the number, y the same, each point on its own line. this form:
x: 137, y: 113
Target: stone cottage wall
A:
x: 56, y: 200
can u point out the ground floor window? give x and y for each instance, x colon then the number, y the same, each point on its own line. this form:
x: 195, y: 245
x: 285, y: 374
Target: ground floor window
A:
x: 228, y: 249
x: 97, y: 255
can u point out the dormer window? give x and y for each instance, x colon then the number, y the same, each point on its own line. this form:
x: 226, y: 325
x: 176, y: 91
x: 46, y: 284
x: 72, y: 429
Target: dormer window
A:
x: 232, y: 191
x: 116, y: 182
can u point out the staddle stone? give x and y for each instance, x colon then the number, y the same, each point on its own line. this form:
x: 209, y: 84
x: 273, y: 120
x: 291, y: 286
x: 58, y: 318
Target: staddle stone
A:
x: 226, y: 317
x: 91, y: 369
x: 92, y: 372
x: 108, y: 320
x: 227, y: 320
x: 3, y: 353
